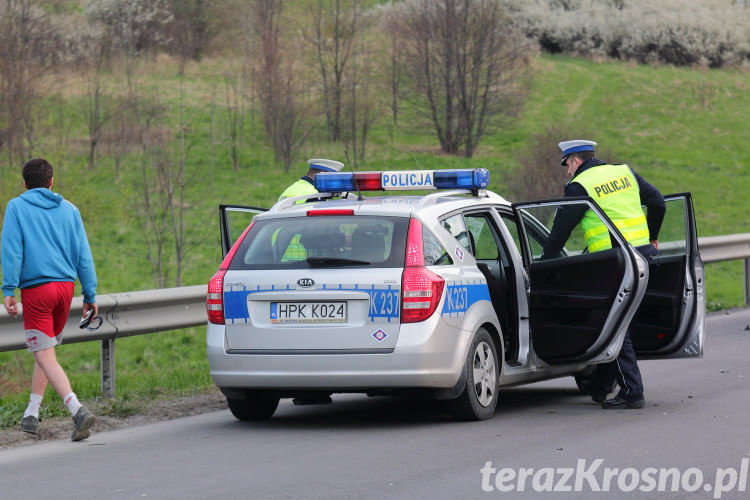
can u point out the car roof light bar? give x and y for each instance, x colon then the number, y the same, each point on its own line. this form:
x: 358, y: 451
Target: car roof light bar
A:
x: 403, y: 180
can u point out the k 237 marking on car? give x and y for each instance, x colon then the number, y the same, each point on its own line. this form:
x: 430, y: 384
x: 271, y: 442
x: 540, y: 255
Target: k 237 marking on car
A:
x: 461, y: 295
x: 384, y: 300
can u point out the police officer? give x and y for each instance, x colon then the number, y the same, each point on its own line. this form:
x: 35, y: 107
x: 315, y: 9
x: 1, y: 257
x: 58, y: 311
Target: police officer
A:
x: 305, y: 185
x: 620, y: 192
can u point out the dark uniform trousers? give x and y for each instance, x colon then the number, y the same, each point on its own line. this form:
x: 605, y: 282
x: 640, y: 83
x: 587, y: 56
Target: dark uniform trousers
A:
x: 624, y: 368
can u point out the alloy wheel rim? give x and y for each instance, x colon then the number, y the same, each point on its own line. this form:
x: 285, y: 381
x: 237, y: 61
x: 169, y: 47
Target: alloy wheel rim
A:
x: 484, y: 371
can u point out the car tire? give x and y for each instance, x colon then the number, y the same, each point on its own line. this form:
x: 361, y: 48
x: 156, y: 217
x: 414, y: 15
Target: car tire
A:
x: 479, y: 398
x: 257, y: 405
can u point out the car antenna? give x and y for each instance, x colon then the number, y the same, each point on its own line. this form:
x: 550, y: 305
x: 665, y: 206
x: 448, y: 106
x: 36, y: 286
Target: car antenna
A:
x: 416, y: 161
x: 354, y: 176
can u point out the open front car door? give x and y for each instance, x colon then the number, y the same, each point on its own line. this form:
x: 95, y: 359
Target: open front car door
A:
x: 580, y: 303
x: 671, y: 320
x: 233, y: 220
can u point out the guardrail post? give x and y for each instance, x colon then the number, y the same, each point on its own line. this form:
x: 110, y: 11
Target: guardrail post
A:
x: 108, y: 368
x: 747, y: 282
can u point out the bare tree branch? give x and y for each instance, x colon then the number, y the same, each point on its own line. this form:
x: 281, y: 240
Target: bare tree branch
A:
x: 337, y: 24
x: 466, y: 61
x: 278, y: 85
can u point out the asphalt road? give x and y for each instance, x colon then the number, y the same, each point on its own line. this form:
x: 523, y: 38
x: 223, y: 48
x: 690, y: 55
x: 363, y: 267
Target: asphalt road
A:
x: 692, y: 436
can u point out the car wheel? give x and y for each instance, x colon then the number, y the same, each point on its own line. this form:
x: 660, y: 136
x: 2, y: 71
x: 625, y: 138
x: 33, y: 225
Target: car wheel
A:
x: 479, y: 397
x: 257, y: 405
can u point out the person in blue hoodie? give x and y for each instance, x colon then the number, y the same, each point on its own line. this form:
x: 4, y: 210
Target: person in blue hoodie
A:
x: 44, y: 249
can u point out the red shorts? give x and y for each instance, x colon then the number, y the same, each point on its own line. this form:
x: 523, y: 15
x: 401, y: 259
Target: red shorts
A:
x: 46, y: 307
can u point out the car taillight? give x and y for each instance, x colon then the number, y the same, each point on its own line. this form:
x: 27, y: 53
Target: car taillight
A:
x: 215, y: 295
x: 215, y: 298
x: 421, y: 289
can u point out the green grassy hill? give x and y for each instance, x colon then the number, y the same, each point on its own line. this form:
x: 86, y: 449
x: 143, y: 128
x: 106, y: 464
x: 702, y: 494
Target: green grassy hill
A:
x: 683, y: 129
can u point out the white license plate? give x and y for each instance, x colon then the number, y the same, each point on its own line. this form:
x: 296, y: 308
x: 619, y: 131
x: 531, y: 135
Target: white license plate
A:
x: 308, y: 312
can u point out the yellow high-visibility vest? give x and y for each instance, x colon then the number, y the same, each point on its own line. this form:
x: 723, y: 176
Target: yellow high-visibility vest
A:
x: 295, y: 250
x: 298, y: 189
x: 615, y: 190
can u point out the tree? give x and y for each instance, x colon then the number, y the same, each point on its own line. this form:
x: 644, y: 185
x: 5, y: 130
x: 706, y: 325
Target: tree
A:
x: 177, y: 178
x: 235, y: 117
x: 27, y: 50
x: 466, y: 61
x: 360, y: 103
x: 190, y: 30
x: 152, y: 194
x: 337, y: 24
x: 390, y: 25
x: 95, y: 111
x: 278, y: 85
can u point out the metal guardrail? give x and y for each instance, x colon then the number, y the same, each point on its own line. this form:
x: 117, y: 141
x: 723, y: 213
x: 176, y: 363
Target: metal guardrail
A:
x: 124, y: 315
x: 728, y: 247
x: 150, y: 311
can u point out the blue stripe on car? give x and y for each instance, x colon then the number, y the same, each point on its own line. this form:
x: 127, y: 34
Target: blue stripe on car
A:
x: 461, y: 295
x: 384, y: 305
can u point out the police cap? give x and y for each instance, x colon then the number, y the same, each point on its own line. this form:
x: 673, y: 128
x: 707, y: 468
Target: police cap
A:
x: 575, y: 146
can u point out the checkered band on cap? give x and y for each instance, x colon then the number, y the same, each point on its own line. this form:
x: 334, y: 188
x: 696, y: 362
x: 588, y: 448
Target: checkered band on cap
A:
x: 325, y: 165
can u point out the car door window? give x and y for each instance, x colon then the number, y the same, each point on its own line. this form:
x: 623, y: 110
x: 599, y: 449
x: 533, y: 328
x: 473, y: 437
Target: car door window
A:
x: 483, y: 237
x: 512, y: 224
x: 233, y: 220
x: 673, y: 232
x: 539, y: 222
x: 435, y: 253
x: 457, y: 227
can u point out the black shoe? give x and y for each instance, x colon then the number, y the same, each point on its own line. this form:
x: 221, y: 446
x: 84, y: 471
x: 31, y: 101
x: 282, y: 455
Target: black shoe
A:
x: 587, y: 387
x: 620, y: 403
x: 598, y: 397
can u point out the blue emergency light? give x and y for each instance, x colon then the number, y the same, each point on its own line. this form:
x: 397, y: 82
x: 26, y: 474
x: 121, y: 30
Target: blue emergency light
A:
x: 402, y: 180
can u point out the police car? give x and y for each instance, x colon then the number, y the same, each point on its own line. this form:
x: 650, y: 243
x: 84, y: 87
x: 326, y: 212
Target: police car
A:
x: 443, y: 294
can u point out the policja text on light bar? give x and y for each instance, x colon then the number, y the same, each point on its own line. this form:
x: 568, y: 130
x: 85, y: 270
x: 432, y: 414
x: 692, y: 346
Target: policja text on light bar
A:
x: 403, y: 180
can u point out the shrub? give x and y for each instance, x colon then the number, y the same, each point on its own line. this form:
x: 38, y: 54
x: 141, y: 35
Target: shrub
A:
x: 712, y: 33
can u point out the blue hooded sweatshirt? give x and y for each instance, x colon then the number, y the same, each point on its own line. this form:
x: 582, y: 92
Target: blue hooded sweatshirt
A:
x: 44, y: 240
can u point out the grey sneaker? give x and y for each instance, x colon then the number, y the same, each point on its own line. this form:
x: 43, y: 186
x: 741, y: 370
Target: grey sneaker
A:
x: 83, y: 420
x: 30, y: 424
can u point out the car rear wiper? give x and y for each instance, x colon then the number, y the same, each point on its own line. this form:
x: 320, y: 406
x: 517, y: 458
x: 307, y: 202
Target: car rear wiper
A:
x: 338, y: 261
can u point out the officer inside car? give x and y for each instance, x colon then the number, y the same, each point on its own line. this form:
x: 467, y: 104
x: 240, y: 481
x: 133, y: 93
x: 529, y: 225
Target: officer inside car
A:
x: 621, y: 193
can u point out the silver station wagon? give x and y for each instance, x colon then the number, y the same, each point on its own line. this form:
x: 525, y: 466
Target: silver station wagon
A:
x: 444, y: 294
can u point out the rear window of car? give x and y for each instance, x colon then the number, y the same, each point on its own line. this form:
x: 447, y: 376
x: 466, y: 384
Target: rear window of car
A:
x: 323, y: 242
